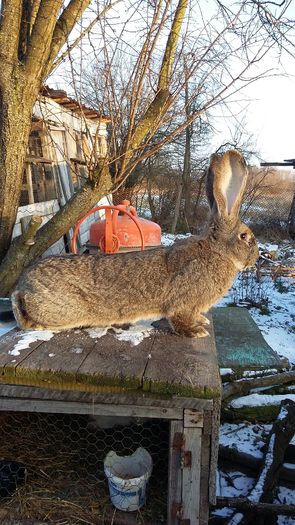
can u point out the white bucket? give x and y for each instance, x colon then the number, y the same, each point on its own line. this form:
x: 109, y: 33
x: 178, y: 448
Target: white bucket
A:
x: 127, y: 478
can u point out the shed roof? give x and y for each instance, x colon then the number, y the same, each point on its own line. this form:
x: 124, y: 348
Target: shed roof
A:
x: 71, y: 104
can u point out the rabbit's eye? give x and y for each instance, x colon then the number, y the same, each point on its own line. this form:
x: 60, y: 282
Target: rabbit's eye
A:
x: 243, y: 236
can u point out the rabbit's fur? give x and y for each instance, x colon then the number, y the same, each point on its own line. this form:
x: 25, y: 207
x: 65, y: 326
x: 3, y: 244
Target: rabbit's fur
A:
x: 180, y: 282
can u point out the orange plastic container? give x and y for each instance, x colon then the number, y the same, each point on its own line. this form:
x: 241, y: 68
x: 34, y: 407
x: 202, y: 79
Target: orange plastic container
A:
x: 124, y: 231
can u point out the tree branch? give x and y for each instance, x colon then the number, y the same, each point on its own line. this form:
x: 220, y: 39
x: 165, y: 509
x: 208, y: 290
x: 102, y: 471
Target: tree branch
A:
x: 28, y: 237
x: 149, y: 122
x: 41, y: 37
x: 169, y: 56
x: 86, y: 31
x: 66, y: 22
x: 259, y: 508
x: 10, y: 25
x: 243, y: 386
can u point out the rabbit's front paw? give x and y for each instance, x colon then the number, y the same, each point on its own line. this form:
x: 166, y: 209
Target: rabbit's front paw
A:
x: 187, y: 326
x: 203, y: 320
x: 196, y: 331
x: 200, y: 331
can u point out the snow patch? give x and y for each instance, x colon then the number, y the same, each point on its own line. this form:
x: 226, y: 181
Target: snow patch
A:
x: 136, y: 333
x: 254, y: 373
x: 255, y: 400
x: 226, y: 371
x: 97, y: 333
x: 168, y: 239
x: 30, y: 337
x: 245, y: 438
x: 76, y: 350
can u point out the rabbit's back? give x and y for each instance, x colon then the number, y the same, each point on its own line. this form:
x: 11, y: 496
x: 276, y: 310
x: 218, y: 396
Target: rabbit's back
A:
x: 91, y: 290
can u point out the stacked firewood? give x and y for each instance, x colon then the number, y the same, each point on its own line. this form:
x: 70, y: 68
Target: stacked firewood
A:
x: 257, y: 506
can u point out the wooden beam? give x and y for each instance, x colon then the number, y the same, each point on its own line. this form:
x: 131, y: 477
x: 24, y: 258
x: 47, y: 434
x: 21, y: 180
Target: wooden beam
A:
x: 95, y: 409
x: 40, y: 160
x: 175, y: 475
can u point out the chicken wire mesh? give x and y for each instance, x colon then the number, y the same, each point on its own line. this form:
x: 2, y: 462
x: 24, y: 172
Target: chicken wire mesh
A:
x: 52, y: 468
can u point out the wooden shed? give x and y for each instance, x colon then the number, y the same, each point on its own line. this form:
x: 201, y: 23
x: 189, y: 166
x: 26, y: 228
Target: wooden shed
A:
x: 55, y: 165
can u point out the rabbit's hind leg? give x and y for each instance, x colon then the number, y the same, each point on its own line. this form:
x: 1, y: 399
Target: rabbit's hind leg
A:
x: 188, y: 325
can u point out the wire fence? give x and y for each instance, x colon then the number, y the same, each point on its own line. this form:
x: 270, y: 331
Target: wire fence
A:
x: 266, y: 206
x: 52, y: 469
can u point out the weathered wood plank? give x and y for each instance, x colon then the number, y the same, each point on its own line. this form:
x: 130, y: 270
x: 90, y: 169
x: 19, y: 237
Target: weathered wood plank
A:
x: 122, y: 398
x: 215, y: 421
x: 175, y: 475
x: 114, y: 362
x: 191, y: 476
x: 70, y: 407
x: 183, y: 366
x: 162, y: 364
x: 204, y: 479
x: 57, y: 359
x: 193, y: 418
x: 11, y: 353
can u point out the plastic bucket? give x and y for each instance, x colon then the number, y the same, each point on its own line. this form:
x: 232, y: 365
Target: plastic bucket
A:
x: 127, y: 477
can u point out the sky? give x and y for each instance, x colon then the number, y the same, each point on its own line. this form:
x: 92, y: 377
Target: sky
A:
x: 269, y: 114
x: 266, y: 108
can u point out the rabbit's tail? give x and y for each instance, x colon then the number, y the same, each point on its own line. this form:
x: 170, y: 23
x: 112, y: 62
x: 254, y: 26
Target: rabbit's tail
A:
x: 19, y: 309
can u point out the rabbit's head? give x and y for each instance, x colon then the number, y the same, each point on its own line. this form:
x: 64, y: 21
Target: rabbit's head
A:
x: 225, y: 185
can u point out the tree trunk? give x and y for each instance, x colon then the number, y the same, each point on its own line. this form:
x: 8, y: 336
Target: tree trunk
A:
x: 186, y: 176
x: 16, y: 107
x: 291, y: 219
x: 177, y: 208
x: 17, y: 258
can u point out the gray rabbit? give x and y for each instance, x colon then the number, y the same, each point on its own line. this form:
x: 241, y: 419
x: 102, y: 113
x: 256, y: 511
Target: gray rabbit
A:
x: 180, y: 282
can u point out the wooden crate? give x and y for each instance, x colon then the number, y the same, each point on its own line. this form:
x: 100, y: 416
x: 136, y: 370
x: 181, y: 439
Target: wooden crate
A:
x: 164, y: 377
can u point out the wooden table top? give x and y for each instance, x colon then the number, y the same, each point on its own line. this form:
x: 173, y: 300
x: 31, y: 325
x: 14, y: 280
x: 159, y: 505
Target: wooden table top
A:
x: 163, y: 364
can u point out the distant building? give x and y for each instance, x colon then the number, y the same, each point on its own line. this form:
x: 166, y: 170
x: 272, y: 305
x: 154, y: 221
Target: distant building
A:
x: 55, y: 166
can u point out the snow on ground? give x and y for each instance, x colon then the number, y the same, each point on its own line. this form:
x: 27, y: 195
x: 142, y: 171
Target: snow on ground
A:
x: 248, y: 439
x: 234, y: 484
x: 277, y: 322
x: 278, y: 328
x: 168, y: 239
x: 244, y: 437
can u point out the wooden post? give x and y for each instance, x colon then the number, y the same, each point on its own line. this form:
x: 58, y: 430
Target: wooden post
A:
x: 191, y: 467
x: 30, y: 184
x: 175, y: 475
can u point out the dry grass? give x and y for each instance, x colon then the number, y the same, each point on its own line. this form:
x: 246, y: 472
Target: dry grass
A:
x: 65, y: 483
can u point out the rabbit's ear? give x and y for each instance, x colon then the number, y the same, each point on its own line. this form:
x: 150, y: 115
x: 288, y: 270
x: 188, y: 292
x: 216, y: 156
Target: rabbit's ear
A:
x: 226, y: 182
